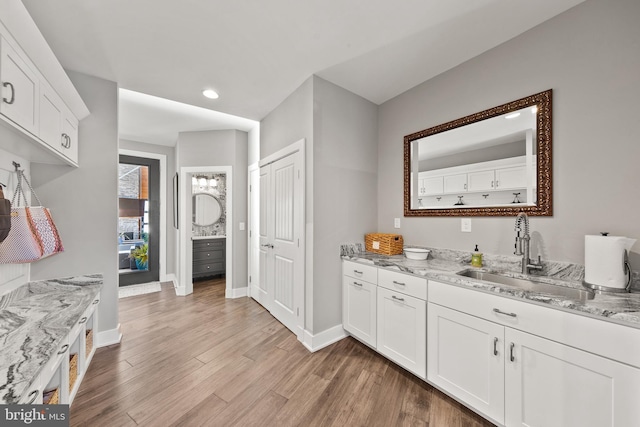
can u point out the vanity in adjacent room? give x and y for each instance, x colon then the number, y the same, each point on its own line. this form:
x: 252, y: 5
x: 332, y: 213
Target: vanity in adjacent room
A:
x: 209, y: 257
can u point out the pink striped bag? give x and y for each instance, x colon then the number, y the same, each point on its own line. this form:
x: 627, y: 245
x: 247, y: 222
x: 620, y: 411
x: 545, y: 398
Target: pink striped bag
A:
x: 33, y: 234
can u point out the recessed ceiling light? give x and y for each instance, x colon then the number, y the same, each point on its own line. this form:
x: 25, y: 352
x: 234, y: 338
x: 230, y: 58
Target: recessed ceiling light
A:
x: 210, y: 93
x: 511, y: 116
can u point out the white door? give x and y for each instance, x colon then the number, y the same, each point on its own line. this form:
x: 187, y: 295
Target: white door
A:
x: 550, y: 384
x: 256, y: 292
x: 466, y: 359
x: 359, y: 309
x: 281, y: 240
x: 402, y: 330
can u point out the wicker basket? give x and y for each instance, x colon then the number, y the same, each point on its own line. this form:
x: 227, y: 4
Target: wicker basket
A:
x: 51, y: 397
x: 73, y: 370
x: 385, y: 244
x: 89, y: 342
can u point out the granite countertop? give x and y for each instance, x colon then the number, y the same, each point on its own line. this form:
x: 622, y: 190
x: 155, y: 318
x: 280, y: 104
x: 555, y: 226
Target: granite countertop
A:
x: 34, y: 319
x: 622, y: 308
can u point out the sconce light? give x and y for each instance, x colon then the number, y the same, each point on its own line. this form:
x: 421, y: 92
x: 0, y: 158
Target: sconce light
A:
x: 194, y: 181
x: 213, y: 183
x: 203, y: 182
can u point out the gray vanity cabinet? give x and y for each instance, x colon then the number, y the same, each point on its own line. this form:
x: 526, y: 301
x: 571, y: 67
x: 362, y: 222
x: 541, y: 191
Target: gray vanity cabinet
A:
x: 209, y: 257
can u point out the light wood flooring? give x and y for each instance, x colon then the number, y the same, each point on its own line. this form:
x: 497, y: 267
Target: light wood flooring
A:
x: 203, y: 360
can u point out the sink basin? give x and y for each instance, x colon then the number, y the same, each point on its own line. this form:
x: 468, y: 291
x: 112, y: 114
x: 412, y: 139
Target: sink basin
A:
x: 530, y: 285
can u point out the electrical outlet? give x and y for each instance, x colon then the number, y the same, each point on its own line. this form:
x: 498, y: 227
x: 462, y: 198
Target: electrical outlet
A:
x: 396, y: 222
x: 465, y: 225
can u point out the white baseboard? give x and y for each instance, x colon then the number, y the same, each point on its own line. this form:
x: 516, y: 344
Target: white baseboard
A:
x: 171, y: 278
x: 324, y: 338
x: 112, y: 336
x: 181, y: 291
x: 237, y: 292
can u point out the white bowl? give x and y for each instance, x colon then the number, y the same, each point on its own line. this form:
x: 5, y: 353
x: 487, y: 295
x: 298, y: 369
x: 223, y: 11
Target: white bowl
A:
x: 416, y: 253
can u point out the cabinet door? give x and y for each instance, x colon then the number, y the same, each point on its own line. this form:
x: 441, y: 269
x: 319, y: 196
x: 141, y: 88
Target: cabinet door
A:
x: 434, y: 185
x: 466, y: 359
x: 359, y: 309
x: 50, y: 129
x: 402, y: 330
x: 455, y: 183
x: 19, y: 89
x: 70, y: 137
x: 481, y: 180
x: 549, y: 384
x: 508, y: 178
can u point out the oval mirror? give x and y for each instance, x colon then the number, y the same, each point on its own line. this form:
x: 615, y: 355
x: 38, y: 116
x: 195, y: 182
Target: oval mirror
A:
x: 207, y: 209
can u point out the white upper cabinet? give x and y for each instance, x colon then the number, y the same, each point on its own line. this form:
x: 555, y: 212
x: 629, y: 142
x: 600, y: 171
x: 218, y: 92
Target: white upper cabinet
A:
x: 455, y: 183
x: 19, y: 89
x: 511, y: 178
x: 39, y: 108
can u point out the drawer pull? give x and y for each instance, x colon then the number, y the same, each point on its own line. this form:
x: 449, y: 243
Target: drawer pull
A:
x: 399, y: 283
x: 357, y: 284
x: 33, y: 396
x: 495, y: 346
x: 511, y: 356
x: 495, y: 310
x: 96, y: 301
x: 84, y: 319
x: 396, y: 298
x: 63, y: 349
x: 357, y: 272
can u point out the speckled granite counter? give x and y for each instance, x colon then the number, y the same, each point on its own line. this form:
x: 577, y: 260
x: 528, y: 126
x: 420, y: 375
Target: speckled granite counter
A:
x: 443, y: 266
x: 34, y: 319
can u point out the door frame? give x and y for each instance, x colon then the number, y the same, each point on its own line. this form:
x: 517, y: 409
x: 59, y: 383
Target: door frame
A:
x: 253, y: 225
x: 163, y: 203
x: 298, y: 146
x: 185, y: 248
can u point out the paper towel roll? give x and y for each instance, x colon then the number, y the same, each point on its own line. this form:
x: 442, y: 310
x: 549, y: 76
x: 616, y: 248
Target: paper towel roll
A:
x: 604, y: 258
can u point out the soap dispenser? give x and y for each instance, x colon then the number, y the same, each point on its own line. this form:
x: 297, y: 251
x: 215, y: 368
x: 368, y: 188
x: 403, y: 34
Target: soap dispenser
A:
x: 476, y: 258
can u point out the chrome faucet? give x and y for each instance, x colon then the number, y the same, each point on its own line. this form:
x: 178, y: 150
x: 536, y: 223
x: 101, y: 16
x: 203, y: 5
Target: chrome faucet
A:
x: 522, y: 244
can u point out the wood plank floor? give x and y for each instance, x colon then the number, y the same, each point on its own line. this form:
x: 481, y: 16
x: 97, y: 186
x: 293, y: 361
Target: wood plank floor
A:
x: 203, y: 360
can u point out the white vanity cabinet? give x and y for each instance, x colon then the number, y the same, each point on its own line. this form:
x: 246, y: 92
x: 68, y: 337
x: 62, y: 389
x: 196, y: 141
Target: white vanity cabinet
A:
x: 359, y: 299
x: 402, y: 317
x: 455, y: 183
x: 500, y: 357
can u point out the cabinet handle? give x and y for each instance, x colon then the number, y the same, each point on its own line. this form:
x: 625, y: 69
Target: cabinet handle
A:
x: 63, y: 349
x: 495, y: 310
x: 465, y: 186
x: 96, y: 301
x: 398, y: 283
x: 396, y: 298
x: 33, y: 395
x: 357, y: 272
x: 491, y: 184
x: 68, y: 138
x: 357, y: 284
x: 65, y: 141
x: 84, y: 319
x: 13, y: 93
x: 511, y: 356
x: 495, y: 346
x: 497, y: 184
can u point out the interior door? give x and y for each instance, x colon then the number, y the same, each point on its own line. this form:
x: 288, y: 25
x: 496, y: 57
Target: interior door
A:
x: 281, y: 251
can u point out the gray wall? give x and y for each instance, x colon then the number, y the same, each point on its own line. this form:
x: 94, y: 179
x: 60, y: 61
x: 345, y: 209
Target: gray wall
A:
x: 167, y: 198
x: 84, y: 200
x: 341, y: 162
x: 590, y: 57
x: 223, y: 148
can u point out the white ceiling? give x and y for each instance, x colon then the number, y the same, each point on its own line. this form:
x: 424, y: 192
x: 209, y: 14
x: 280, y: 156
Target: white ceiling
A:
x: 255, y: 53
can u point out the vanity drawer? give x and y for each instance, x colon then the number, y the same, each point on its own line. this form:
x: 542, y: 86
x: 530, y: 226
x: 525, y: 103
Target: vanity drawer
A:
x: 209, y: 267
x: 367, y: 273
x: 209, y: 254
x: 208, y: 244
x: 405, y: 283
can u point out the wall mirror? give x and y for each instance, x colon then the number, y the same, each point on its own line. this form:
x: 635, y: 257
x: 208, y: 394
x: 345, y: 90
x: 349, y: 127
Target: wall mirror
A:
x: 493, y: 163
x: 206, y: 209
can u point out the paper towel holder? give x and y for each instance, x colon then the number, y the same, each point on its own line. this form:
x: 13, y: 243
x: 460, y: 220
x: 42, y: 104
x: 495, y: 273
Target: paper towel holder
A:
x: 627, y: 269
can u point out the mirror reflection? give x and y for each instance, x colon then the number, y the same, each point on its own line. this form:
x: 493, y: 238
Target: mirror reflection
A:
x: 206, y: 209
x: 495, y: 162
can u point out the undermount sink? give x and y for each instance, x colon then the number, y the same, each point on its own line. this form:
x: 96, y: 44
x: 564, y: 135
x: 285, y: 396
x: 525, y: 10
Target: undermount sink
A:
x: 530, y: 285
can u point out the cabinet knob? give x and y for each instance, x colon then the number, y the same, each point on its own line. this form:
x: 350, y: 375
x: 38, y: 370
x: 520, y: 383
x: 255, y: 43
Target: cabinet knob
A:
x: 84, y: 319
x: 13, y: 93
x: 96, y: 301
x: 63, y: 349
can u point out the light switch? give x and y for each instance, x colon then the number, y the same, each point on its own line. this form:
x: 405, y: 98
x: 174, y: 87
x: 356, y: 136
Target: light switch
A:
x: 396, y: 222
x: 242, y: 226
x: 465, y: 225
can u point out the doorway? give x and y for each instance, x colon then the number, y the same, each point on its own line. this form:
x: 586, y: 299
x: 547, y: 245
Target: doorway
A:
x: 138, y: 220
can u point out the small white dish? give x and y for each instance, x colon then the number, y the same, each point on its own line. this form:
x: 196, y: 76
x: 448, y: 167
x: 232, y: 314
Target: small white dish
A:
x: 416, y: 253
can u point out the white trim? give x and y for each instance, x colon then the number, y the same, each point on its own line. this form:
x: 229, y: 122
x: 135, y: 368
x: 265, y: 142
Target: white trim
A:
x: 163, y: 203
x: 171, y: 277
x: 251, y: 211
x: 324, y: 338
x: 185, y: 282
x: 284, y: 152
x: 237, y: 292
x: 110, y: 337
